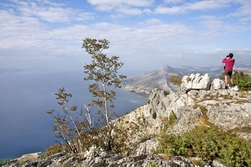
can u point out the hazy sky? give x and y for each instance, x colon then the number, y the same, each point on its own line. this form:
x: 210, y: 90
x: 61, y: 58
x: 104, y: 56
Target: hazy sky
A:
x: 145, y: 34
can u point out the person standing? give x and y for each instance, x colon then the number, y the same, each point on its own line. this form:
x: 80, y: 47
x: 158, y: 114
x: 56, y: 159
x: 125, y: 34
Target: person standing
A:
x: 228, y: 68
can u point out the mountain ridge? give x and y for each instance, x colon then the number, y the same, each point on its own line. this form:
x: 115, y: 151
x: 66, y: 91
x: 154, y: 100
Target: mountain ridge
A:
x: 143, y: 84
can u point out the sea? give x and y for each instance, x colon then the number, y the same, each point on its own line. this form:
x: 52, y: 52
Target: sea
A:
x: 25, y: 98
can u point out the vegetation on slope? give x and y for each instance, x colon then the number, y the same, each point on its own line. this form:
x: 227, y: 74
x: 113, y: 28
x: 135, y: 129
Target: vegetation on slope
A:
x: 242, y: 80
x: 208, y: 143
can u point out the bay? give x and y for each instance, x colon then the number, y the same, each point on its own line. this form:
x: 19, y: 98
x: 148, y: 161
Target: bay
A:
x: 26, y: 96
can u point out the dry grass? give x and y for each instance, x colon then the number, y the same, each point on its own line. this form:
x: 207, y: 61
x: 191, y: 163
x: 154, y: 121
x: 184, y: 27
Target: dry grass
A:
x: 175, y: 79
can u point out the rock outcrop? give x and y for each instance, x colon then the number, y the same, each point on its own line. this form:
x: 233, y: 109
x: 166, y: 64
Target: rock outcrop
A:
x: 217, y: 84
x: 171, y: 113
x: 195, y: 81
x: 203, y: 82
x: 224, y: 108
x: 146, y: 160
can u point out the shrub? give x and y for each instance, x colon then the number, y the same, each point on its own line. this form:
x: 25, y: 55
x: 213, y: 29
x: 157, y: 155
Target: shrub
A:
x: 209, y: 144
x: 172, y: 118
x: 169, y: 121
x: 77, y: 128
x: 53, y: 149
x: 242, y: 80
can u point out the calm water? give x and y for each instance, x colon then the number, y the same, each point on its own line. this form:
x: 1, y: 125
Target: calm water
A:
x: 25, y: 97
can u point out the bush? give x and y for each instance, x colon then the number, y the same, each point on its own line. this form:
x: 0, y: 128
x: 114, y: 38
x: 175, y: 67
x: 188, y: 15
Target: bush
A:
x: 209, y: 144
x: 53, y: 149
x: 242, y: 80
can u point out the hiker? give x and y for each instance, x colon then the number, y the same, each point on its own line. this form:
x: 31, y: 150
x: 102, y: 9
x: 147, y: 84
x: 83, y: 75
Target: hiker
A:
x: 228, y: 69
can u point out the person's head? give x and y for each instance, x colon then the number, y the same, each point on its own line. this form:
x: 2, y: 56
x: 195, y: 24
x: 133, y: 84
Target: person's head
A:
x: 231, y: 55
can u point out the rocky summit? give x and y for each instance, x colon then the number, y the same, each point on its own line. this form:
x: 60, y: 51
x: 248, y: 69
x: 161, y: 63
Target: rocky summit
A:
x: 182, y: 111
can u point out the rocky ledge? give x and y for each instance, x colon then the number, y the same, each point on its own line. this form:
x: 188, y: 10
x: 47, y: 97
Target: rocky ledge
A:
x: 225, y: 108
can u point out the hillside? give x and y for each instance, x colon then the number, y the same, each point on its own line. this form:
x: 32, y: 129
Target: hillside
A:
x: 157, y: 79
x: 174, y: 113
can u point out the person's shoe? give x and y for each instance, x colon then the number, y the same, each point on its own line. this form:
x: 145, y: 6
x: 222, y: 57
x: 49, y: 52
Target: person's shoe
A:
x: 226, y: 87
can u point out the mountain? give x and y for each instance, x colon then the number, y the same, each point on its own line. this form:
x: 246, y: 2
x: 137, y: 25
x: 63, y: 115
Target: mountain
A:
x: 157, y: 79
x: 173, y: 114
x: 145, y: 83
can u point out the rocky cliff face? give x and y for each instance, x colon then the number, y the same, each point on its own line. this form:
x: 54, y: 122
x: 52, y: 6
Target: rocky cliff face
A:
x: 172, y: 113
x: 225, y: 108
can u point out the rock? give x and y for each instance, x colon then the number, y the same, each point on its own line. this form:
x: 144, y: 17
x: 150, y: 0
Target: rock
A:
x: 27, y: 157
x: 235, y: 88
x: 217, y: 84
x: 195, y: 82
x: 145, y: 147
x: 146, y: 160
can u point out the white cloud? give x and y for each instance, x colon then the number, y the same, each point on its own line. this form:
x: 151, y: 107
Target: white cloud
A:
x: 205, y: 5
x: 50, y: 12
x: 123, y: 7
x: 117, y: 3
x: 187, y: 6
x: 244, y: 12
x: 170, y: 10
x: 129, y: 11
x: 173, y: 1
x: 218, y: 25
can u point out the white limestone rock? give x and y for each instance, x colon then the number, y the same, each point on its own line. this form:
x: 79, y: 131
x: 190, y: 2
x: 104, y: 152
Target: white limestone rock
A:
x: 217, y: 84
x: 195, y: 82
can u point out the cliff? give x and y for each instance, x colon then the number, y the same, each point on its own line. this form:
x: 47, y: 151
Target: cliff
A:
x: 168, y: 113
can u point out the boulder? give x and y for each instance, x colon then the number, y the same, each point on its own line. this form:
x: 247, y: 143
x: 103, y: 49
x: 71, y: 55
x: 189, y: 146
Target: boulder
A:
x: 217, y: 84
x: 195, y: 82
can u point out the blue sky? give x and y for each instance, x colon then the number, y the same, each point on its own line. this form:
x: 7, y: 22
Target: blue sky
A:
x: 145, y: 34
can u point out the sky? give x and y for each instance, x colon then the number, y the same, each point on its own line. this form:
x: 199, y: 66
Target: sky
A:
x: 47, y: 35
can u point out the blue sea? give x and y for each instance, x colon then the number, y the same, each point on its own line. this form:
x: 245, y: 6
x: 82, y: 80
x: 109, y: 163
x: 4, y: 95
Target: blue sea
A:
x: 25, y: 98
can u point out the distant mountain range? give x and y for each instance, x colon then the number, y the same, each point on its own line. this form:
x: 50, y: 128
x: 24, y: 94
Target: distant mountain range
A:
x: 144, y: 84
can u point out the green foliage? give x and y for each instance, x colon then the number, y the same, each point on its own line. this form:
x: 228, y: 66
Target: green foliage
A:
x: 242, y: 80
x: 66, y: 126
x: 172, y: 118
x: 145, y: 138
x: 53, y: 149
x: 235, y: 152
x: 103, y: 70
x: 209, y: 144
x: 77, y: 128
x: 154, y: 164
x: 169, y: 121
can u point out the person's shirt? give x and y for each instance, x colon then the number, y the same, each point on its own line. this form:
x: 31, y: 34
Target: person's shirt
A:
x: 229, y: 63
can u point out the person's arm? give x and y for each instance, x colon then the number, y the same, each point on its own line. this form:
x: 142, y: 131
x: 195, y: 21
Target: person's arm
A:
x: 224, y: 60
